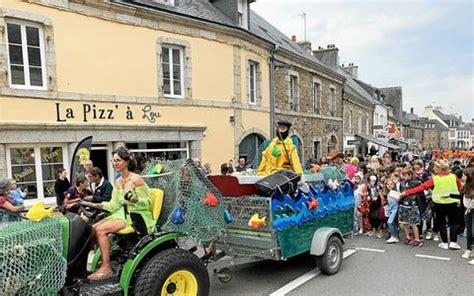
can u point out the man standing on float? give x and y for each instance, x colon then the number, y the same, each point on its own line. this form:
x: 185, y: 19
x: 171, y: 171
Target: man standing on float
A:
x: 281, y: 154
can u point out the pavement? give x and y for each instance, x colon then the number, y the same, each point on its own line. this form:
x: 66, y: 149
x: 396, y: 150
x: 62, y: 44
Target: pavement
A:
x: 372, y: 268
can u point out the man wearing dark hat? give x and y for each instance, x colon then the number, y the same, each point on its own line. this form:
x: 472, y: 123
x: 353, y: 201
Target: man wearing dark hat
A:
x: 281, y: 154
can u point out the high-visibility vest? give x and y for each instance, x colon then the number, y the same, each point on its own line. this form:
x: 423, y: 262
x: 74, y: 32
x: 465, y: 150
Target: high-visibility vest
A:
x: 443, y: 187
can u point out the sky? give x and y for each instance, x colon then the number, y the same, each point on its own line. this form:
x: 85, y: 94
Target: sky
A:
x: 426, y: 47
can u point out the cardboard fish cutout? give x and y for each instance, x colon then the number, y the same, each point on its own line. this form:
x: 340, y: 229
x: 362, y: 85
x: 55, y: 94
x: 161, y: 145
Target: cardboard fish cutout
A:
x: 210, y: 200
x: 256, y: 222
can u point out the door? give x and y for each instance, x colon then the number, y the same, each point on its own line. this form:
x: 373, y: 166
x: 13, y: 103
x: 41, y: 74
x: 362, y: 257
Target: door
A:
x: 99, y: 158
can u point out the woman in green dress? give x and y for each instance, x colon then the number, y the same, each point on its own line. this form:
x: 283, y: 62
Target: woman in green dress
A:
x: 130, y: 193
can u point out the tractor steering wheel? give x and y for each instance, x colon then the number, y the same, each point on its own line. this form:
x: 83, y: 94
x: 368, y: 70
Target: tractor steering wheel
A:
x: 89, y: 210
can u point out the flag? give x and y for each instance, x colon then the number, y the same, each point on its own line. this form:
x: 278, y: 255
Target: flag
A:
x: 80, y: 156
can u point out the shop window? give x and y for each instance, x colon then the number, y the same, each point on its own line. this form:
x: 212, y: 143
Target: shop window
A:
x: 26, y: 52
x: 317, y: 150
x: 172, y: 67
x: 145, y: 152
x: 34, y: 167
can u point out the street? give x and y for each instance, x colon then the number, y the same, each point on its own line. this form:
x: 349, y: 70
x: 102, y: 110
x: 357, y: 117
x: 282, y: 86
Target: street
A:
x: 374, y: 269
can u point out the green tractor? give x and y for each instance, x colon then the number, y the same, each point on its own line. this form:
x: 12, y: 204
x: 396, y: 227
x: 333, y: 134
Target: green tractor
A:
x: 144, y: 264
x: 56, y: 255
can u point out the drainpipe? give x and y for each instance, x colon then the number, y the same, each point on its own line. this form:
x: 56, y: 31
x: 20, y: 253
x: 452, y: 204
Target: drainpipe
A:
x: 272, y: 90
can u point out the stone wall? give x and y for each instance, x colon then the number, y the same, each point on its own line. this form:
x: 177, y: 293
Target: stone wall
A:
x: 430, y: 138
x: 308, y: 125
x: 356, y: 108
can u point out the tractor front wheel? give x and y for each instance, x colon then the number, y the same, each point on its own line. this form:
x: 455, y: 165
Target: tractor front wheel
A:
x: 175, y: 272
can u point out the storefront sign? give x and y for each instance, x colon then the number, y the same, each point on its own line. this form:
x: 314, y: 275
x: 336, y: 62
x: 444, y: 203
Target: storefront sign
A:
x: 91, y: 112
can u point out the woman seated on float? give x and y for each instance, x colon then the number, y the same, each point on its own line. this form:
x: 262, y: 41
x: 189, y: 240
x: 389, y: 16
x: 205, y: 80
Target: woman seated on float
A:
x: 130, y: 192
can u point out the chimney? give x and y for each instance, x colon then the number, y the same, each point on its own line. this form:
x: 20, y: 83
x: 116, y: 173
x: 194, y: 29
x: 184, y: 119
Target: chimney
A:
x: 328, y: 56
x: 411, y: 110
x: 352, y: 70
x: 306, y: 45
x: 293, y: 38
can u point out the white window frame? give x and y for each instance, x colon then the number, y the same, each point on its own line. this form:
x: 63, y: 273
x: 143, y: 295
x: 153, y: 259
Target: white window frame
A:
x: 316, y: 96
x: 38, y: 166
x: 252, y: 101
x: 24, y: 48
x: 181, y: 68
x: 294, y: 99
x: 165, y: 2
x: 359, y: 122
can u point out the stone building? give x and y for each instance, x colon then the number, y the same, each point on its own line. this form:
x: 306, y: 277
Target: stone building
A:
x: 358, y: 112
x: 307, y: 92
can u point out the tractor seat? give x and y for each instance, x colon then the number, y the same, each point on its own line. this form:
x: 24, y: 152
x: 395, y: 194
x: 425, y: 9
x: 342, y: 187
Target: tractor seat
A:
x: 156, y: 196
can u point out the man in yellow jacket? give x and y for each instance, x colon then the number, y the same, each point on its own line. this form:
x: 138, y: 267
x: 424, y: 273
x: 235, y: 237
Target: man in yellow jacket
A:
x: 281, y: 154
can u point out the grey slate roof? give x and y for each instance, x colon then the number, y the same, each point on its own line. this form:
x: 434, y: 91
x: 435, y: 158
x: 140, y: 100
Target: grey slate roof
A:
x: 201, y: 9
x: 446, y: 118
x: 355, y: 90
x: 260, y: 27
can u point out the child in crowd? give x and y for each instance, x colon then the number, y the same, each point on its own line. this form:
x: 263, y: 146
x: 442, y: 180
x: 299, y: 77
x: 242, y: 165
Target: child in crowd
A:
x: 391, y: 195
x: 16, y: 194
x: 409, y: 213
x: 375, y: 201
x: 359, y: 189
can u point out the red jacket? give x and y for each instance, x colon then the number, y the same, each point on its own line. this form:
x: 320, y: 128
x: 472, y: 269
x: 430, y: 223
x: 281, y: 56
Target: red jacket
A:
x: 429, y: 185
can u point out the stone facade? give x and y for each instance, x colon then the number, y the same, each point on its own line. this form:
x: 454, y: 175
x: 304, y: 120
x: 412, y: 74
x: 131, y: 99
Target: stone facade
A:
x: 431, y: 138
x: 351, y: 126
x: 316, y: 130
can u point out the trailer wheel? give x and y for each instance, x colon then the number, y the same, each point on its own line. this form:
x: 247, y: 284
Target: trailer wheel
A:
x: 330, y: 262
x: 224, y: 275
x: 173, y: 272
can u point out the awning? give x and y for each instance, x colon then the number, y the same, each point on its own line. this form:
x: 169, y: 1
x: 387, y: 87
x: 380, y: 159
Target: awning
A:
x: 395, y: 139
x: 378, y: 141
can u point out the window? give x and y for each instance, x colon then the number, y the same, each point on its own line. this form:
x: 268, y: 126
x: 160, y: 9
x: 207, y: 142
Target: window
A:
x: 293, y: 100
x: 366, y: 123
x: 381, y: 119
x: 158, y: 151
x: 316, y: 97
x: 34, y: 167
x: 359, y: 123
x: 252, y: 82
x: 26, y: 55
x: 316, y: 150
x: 332, y: 102
x: 350, y: 122
x: 240, y: 19
x: 172, y: 65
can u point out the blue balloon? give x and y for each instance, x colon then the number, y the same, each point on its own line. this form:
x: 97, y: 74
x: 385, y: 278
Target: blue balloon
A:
x: 178, y: 216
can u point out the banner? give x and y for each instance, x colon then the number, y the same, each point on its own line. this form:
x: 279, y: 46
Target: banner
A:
x: 80, y: 156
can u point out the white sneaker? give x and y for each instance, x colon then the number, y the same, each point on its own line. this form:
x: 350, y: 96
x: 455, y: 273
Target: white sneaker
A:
x: 471, y: 262
x: 392, y: 240
x: 467, y: 254
x: 443, y: 246
x: 436, y: 238
x: 429, y: 236
x: 454, y: 246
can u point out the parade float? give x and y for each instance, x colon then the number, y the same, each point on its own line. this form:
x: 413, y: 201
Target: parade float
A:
x: 225, y: 220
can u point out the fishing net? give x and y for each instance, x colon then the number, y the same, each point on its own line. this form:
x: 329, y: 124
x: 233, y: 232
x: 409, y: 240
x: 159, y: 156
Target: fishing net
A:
x: 191, y: 205
x: 31, y: 261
